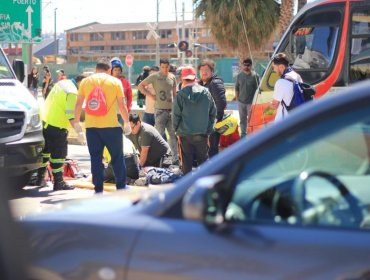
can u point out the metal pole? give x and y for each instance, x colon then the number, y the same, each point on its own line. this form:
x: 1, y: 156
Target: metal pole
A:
x: 157, y: 41
x: 55, y: 36
x: 183, y: 37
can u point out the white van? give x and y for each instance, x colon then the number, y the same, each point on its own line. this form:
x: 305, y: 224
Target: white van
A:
x: 21, y: 140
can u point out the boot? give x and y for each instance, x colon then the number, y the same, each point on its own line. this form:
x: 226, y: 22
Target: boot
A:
x: 40, y: 181
x: 59, y: 183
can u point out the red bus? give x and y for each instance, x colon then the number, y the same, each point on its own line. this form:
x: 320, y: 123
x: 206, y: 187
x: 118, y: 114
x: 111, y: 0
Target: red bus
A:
x: 328, y: 44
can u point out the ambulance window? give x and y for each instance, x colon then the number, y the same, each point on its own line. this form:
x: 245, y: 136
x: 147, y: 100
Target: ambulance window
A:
x: 5, y: 72
x: 360, y: 46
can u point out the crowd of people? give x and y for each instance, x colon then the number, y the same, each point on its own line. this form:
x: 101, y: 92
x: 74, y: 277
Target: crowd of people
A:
x: 178, y: 123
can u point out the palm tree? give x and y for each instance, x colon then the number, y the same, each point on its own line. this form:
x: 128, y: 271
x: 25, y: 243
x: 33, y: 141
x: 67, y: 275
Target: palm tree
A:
x: 227, y: 21
x: 286, y: 14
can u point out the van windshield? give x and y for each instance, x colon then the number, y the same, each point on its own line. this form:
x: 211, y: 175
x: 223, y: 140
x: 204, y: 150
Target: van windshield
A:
x: 5, y: 72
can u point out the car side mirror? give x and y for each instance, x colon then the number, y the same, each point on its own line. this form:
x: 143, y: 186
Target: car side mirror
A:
x: 201, y: 201
x: 18, y: 67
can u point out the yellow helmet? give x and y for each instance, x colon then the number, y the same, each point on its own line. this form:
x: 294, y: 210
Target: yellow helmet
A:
x: 227, y: 125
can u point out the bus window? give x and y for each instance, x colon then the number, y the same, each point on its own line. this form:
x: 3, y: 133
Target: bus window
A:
x: 313, y: 43
x: 360, y: 48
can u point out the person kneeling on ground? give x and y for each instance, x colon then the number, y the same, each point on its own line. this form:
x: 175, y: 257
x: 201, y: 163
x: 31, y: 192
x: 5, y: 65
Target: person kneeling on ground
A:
x: 147, y: 140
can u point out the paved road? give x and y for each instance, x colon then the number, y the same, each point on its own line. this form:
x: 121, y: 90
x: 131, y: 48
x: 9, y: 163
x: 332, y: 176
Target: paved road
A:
x: 33, y: 199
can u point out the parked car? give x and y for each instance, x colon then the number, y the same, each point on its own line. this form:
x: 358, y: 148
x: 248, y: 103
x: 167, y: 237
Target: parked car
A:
x: 291, y: 201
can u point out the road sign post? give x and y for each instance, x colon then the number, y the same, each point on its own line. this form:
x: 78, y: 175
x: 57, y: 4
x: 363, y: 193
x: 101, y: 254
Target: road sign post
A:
x: 129, y: 61
x: 20, y: 21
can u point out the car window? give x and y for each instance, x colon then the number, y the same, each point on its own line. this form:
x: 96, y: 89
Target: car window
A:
x: 333, y: 154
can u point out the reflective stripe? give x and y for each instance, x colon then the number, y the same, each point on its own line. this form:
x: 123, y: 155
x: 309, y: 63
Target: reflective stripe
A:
x: 57, y: 160
x: 57, y: 170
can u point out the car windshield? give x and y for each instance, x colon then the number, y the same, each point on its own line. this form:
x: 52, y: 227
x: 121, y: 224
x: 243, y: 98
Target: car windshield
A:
x: 5, y: 72
x: 322, y: 165
x: 329, y: 147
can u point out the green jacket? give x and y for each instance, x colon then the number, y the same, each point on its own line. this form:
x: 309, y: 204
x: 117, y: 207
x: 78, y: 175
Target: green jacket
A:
x: 193, y: 111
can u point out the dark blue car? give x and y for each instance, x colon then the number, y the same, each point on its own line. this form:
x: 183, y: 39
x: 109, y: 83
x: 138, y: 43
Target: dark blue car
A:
x: 291, y: 201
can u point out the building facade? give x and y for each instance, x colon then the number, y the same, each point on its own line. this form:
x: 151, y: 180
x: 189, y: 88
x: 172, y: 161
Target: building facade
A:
x: 94, y: 40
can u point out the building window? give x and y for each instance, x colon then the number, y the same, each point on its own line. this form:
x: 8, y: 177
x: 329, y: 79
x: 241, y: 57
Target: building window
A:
x: 140, y: 48
x: 119, y: 48
x: 118, y: 35
x: 206, y: 33
x: 166, y: 33
x: 97, y: 48
x: 186, y: 33
x: 76, y: 37
x: 96, y: 37
x: 137, y: 35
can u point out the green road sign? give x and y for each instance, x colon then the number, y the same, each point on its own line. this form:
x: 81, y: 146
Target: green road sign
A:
x: 20, y: 21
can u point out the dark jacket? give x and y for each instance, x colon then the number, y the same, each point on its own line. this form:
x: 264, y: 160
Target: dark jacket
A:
x: 33, y: 81
x: 193, y: 111
x: 217, y: 89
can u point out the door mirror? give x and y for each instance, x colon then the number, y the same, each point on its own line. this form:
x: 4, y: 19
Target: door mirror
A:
x: 202, y: 201
x: 18, y: 67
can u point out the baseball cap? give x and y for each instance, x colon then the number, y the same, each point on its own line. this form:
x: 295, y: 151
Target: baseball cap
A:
x: 116, y: 63
x: 60, y: 71
x: 188, y: 73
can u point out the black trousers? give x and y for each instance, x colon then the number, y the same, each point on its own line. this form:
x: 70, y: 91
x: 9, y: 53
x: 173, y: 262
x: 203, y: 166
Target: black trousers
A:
x: 56, y: 147
x: 193, y: 146
x: 214, y: 140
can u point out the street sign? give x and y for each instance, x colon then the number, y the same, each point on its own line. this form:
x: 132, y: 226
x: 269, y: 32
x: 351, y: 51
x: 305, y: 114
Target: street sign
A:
x: 152, y: 32
x: 20, y: 21
x: 129, y: 60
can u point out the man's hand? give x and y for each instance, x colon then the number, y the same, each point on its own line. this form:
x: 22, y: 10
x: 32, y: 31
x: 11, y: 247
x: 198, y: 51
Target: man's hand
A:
x: 127, y: 128
x: 81, y: 138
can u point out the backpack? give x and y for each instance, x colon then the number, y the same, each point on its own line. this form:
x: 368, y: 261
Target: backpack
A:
x: 302, y: 93
x: 72, y: 170
x: 96, y: 104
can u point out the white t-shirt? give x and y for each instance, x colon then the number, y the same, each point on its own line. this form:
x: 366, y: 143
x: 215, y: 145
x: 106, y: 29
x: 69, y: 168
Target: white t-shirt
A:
x: 283, y: 90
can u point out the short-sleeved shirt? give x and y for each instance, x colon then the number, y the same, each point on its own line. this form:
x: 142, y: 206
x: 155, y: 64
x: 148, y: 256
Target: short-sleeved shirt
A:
x: 60, y: 105
x: 148, y: 136
x: 112, y: 88
x: 163, y: 87
x: 283, y: 90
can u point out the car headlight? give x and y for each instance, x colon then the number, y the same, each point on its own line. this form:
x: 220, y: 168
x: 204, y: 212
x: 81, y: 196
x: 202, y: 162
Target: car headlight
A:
x: 34, y: 123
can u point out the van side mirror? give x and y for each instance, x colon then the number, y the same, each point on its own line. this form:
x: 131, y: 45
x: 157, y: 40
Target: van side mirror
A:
x: 18, y: 67
x: 202, y: 201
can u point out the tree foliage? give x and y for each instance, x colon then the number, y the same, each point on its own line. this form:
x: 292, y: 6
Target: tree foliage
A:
x: 224, y: 18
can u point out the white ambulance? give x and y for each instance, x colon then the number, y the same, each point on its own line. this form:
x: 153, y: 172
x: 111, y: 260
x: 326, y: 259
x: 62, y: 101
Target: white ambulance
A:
x: 21, y: 140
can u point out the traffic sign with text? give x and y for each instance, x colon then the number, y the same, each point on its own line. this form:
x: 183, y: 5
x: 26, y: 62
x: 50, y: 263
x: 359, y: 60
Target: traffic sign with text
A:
x: 20, y: 21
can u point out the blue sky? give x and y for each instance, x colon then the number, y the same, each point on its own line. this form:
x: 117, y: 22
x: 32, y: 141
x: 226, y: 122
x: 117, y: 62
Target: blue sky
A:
x: 72, y: 13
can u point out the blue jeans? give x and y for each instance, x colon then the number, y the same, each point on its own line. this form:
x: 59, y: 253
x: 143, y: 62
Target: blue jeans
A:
x: 149, y: 118
x: 110, y: 137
